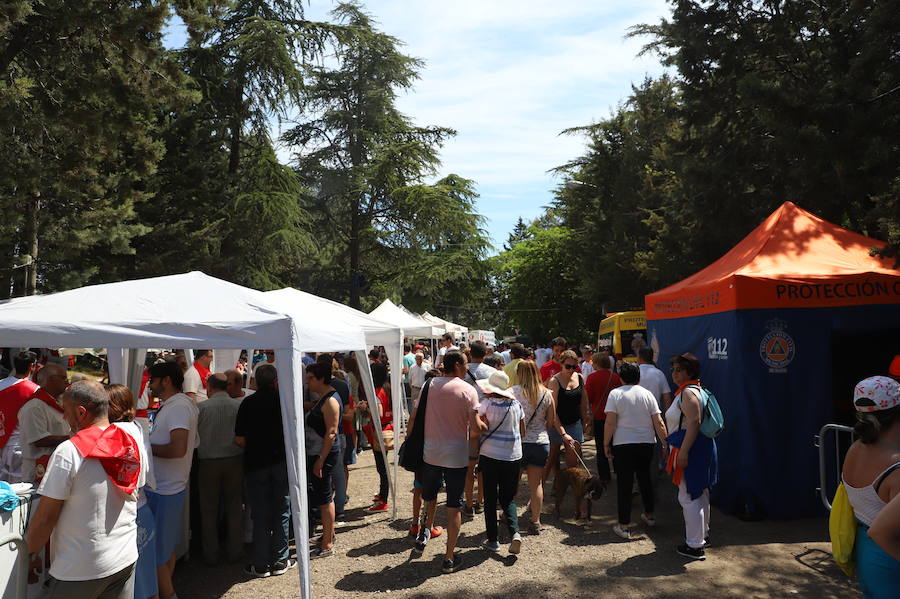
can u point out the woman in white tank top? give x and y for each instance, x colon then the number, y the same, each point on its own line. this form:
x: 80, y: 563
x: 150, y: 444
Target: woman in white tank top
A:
x: 871, y: 475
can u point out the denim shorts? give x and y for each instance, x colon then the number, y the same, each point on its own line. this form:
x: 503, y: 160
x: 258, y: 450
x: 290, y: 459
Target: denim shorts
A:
x: 575, y: 430
x: 535, y: 454
x: 455, y: 479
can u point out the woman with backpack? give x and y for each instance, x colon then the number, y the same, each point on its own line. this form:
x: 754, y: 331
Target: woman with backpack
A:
x: 692, y: 456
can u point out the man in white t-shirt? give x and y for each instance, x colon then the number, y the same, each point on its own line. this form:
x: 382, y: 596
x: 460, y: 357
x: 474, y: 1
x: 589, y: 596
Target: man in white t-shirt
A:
x: 653, y: 379
x: 173, y: 439
x: 587, y: 361
x: 42, y: 425
x: 88, y: 509
x: 542, y: 355
x: 447, y: 344
x: 195, y: 377
x: 417, y: 374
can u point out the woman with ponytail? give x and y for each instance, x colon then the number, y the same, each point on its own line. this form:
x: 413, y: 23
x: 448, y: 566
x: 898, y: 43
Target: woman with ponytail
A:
x: 871, y: 476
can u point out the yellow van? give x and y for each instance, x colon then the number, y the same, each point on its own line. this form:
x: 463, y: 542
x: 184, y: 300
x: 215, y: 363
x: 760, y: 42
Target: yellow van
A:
x: 624, y: 333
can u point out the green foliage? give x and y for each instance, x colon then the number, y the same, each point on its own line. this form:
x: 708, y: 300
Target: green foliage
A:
x: 537, y: 285
x: 80, y: 83
x: 771, y: 101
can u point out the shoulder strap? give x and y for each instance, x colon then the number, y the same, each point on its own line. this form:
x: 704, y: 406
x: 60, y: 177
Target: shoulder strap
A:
x: 502, y: 420
x: 533, y: 414
x: 877, y: 484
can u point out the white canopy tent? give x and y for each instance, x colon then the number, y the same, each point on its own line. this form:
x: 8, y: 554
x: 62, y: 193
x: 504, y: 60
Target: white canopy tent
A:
x: 450, y: 327
x: 187, y: 311
x: 412, y: 325
x: 377, y: 332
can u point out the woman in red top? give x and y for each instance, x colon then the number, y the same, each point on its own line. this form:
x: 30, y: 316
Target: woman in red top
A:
x: 382, y: 408
x: 597, y: 386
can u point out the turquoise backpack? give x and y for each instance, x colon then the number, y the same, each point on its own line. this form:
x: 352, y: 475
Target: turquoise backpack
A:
x: 712, y: 422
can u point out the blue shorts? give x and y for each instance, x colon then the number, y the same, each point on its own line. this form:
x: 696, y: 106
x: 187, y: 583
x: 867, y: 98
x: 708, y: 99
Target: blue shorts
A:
x: 145, y: 568
x: 878, y: 573
x: 535, y: 454
x: 575, y: 430
x: 455, y: 479
x: 169, y: 522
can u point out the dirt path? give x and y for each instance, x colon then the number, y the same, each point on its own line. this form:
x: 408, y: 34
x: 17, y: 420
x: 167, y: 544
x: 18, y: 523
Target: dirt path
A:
x: 568, y: 559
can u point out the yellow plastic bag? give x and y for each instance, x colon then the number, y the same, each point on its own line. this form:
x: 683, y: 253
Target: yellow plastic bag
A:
x: 842, y: 527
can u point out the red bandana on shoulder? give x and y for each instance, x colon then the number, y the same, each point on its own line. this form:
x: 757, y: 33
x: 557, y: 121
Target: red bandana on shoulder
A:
x: 117, y: 451
x: 203, y: 371
x: 47, y: 399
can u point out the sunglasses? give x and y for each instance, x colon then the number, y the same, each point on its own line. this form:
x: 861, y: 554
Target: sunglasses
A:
x: 570, y: 366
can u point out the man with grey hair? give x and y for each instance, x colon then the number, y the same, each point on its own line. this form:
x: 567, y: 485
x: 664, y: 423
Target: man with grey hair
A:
x: 220, y: 470
x: 88, y: 506
x: 41, y: 422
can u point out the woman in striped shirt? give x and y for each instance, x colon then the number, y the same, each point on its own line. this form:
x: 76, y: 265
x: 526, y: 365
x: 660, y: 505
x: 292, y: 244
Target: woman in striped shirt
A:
x: 499, y: 457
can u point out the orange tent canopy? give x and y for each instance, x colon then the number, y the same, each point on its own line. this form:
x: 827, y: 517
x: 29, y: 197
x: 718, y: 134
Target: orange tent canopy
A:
x: 794, y: 259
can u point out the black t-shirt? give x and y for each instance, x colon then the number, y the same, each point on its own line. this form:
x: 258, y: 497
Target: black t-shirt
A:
x: 343, y: 391
x: 259, y: 422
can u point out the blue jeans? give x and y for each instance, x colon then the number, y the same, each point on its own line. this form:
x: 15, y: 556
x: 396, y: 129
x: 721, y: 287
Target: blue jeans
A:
x: 270, y: 508
x: 338, y: 479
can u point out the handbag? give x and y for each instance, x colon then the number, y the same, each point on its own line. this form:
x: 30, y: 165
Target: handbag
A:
x: 411, y: 454
x: 842, y: 529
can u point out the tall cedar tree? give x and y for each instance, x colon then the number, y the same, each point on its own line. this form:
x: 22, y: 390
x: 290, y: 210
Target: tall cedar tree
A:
x: 224, y: 204
x: 383, y: 229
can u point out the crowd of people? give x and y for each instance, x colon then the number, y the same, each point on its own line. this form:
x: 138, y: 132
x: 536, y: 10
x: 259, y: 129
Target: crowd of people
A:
x: 115, y: 475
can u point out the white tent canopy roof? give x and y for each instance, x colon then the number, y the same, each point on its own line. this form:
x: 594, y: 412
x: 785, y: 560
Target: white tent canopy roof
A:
x: 412, y: 325
x: 188, y: 310
x: 450, y: 327
x: 377, y: 332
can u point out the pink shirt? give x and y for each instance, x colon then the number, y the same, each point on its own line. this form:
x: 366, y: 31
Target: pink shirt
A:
x: 450, y: 402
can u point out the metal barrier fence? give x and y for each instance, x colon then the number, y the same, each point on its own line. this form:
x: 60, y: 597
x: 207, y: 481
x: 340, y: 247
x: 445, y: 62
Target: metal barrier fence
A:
x: 21, y: 563
x: 842, y: 437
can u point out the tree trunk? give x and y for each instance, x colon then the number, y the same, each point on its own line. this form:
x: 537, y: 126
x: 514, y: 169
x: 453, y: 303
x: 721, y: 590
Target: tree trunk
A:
x: 236, y: 125
x: 354, y: 255
x: 34, y: 210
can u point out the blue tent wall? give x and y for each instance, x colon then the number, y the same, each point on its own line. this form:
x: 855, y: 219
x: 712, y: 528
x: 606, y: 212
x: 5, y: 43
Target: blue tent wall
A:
x: 768, y: 464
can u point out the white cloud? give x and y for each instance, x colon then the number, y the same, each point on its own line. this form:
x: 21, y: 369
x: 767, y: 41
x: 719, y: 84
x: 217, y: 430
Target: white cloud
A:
x: 509, y: 76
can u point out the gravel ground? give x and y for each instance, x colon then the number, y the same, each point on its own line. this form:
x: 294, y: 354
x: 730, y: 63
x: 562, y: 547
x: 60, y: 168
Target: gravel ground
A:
x: 568, y: 559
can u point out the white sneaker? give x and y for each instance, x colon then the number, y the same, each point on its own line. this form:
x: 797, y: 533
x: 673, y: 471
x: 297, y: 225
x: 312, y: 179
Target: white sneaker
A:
x: 515, y: 545
x: 622, y: 532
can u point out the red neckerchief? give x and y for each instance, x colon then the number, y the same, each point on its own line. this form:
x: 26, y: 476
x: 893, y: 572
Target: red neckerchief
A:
x: 687, y: 384
x: 203, y: 372
x: 11, y: 400
x: 117, y: 451
x: 47, y: 399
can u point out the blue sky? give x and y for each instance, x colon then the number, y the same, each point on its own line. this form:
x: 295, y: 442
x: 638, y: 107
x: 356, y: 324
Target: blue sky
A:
x: 509, y: 76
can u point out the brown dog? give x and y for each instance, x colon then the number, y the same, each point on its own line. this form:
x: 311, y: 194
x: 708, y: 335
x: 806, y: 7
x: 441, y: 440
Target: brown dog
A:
x: 583, y: 486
